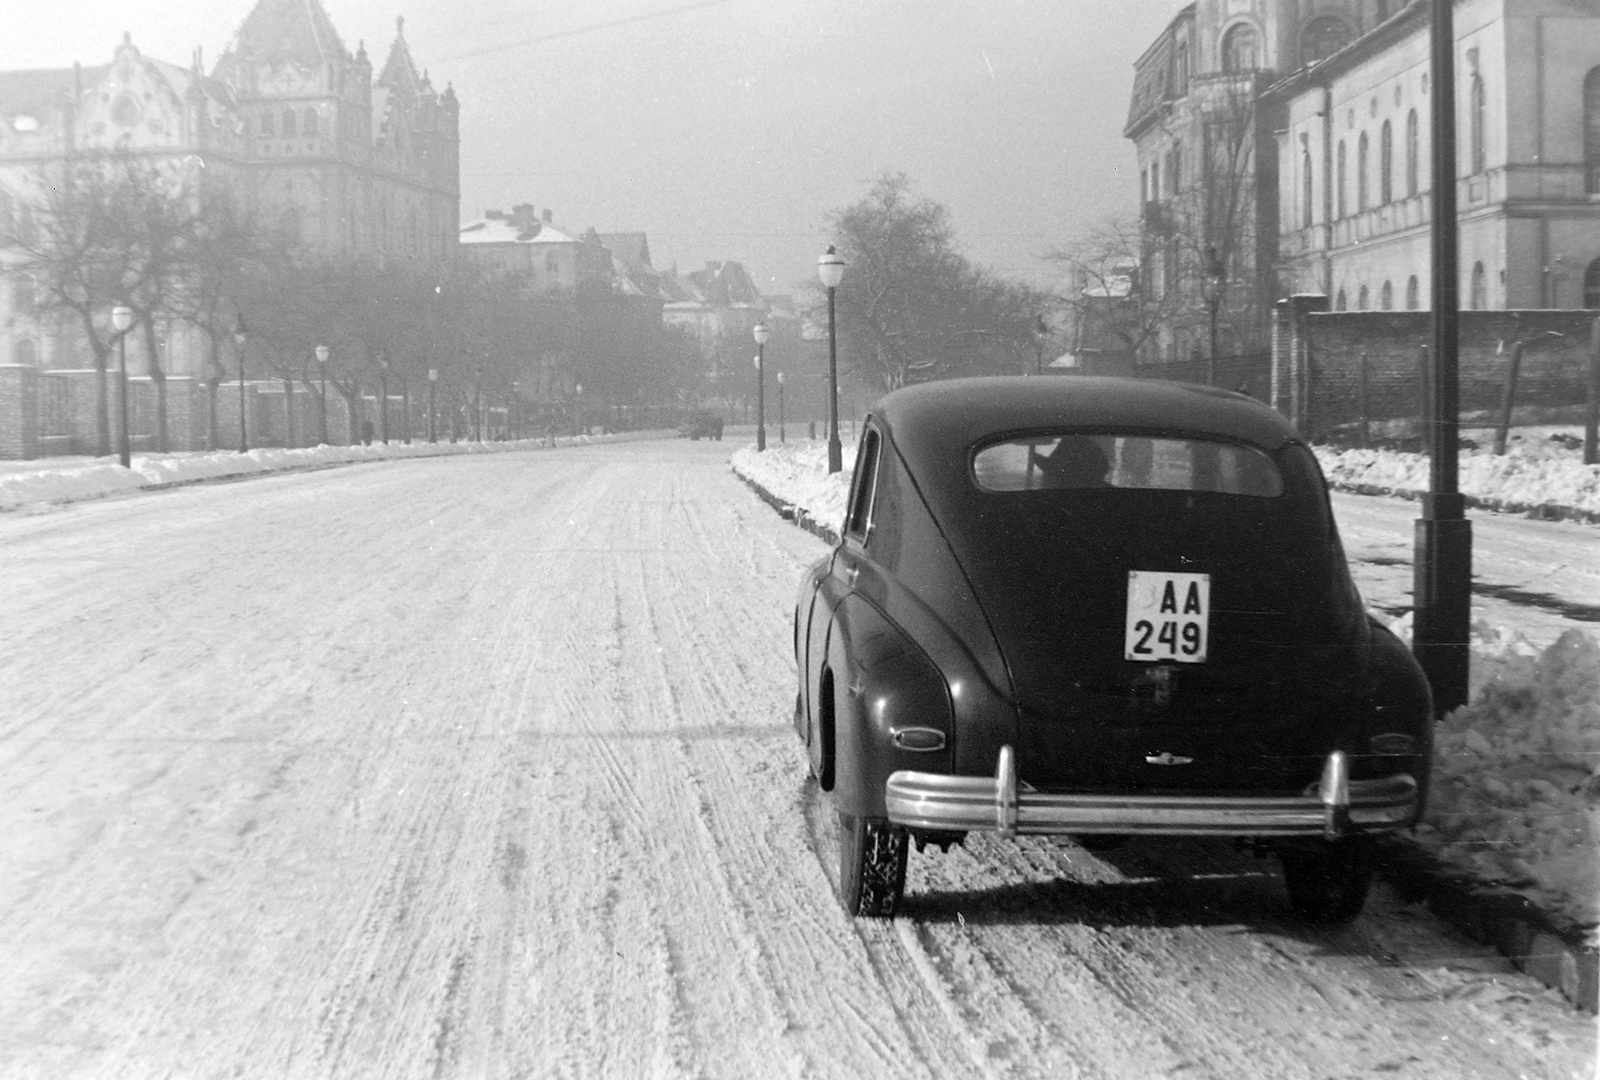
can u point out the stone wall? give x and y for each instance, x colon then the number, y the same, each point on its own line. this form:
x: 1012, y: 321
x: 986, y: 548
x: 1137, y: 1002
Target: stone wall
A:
x: 1336, y: 368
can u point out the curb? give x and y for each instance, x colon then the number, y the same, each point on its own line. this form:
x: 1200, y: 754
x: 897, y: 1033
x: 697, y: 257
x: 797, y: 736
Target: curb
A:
x: 1530, y: 938
x: 1537, y: 511
x: 789, y: 511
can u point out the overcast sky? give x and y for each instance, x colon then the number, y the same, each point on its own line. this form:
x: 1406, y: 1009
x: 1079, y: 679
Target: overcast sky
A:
x: 727, y: 129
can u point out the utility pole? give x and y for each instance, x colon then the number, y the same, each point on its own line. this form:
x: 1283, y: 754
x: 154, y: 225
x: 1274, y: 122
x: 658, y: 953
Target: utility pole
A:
x: 1442, y: 553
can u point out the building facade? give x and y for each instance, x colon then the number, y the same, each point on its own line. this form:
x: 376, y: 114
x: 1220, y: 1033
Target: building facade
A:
x: 295, y: 125
x: 1355, y: 151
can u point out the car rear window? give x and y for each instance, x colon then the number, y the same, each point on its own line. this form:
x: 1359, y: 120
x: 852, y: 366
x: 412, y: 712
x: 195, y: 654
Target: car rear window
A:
x: 1075, y: 460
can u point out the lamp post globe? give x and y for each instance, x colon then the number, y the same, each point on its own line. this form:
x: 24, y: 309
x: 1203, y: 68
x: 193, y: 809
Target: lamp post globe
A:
x: 322, y: 368
x: 830, y: 271
x: 241, y: 335
x: 761, y: 333
x: 122, y: 321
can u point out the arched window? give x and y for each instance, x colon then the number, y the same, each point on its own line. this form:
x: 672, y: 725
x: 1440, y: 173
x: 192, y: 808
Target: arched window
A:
x: 1413, y: 296
x: 1479, y: 158
x: 1480, y: 288
x: 1386, y: 297
x: 1591, y: 128
x: 1363, y: 160
x: 1305, y: 188
x: 1362, y: 299
x: 288, y: 123
x: 1339, y: 169
x: 267, y: 125
x: 1341, y: 304
x: 1323, y: 37
x: 1591, y: 285
x: 310, y: 125
x: 1386, y: 165
x: 1412, y: 152
x: 1239, y: 51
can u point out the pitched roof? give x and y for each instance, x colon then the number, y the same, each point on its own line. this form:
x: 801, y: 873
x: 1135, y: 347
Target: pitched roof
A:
x: 399, y: 71
x: 502, y: 230
x: 289, y: 30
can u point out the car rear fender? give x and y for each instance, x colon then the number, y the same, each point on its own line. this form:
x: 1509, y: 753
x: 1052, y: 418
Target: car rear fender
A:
x: 891, y: 707
x: 1394, y: 714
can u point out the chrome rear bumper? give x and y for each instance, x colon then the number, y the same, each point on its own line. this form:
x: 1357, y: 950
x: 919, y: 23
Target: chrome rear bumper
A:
x: 1334, y: 806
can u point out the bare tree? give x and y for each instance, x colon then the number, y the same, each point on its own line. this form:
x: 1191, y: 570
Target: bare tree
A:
x: 911, y: 307
x: 1106, y: 302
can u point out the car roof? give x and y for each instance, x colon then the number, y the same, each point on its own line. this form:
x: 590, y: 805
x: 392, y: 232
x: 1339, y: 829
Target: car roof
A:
x: 930, y: 420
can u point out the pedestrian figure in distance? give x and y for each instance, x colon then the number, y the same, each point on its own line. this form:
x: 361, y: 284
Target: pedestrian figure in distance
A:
x: 366, y: 433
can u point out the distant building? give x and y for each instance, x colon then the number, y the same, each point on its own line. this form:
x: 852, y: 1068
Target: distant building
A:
x: 714, y: 303
x: 1354, y: 154
x: 308, y: 140
x: 525, y: 243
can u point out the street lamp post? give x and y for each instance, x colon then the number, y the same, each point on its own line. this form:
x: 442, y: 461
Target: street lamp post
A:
x: 830, y: 271
x: 1442, y: 538
x: 579, y: 390
x: 241, y: 336
x: 1041, y: 330
x: 780, y: 408
x: 1217, y: 277
x: 433, y: 384
x: 122, y: 320
x: 383, y: 397
x: 322, y: 368
x: 761, y: 333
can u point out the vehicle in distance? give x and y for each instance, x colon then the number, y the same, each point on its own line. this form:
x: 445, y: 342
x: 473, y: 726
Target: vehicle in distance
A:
x: 1101, y: 608
x: 702, y: 425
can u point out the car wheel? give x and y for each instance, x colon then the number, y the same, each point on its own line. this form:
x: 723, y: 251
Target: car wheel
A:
x: 1328, y: 884
x: 872, y: 865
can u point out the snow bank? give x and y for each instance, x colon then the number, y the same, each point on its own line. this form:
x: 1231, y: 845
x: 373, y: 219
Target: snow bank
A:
x: 57, y: 484
x: 1516, y: 795
x: 1541, y: 468
x: 1516, y: 781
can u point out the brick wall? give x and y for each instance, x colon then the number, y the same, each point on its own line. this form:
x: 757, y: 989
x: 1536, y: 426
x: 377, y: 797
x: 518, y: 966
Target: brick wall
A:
x: 1327, y: 352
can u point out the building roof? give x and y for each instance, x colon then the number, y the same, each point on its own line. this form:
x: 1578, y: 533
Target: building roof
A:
x: 289, y: 30
x: 399, y: 71
x: 502, y: 230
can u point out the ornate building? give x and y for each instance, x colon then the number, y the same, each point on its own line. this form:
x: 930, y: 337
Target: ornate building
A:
x: 293, y: 122
x: 1354, y: 153
x: 1209, y: 163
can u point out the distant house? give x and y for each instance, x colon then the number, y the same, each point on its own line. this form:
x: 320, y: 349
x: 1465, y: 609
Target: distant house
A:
x: 523, y: 242
x: 714, y: 302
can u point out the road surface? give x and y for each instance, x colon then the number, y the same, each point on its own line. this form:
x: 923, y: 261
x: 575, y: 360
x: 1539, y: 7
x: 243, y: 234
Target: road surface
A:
x: 482, y: 767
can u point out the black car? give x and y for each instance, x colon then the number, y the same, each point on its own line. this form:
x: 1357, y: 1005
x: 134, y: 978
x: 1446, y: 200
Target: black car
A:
x: 1100, y: 607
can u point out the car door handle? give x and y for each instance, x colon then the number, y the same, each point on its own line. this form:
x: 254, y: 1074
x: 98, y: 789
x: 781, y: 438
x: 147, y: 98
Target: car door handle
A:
x: 852, y: 572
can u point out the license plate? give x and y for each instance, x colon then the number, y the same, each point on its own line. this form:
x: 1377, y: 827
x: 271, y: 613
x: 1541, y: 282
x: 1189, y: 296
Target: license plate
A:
x: 1168, y: 617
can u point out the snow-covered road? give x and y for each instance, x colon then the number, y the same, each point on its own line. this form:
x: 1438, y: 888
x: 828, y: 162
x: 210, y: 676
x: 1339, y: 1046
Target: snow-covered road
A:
x: 482, y: 767
x: 1540, y: 577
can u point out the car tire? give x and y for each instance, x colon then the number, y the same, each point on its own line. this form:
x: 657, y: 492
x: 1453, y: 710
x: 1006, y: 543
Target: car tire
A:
x: 872, y: 866
x: 1328, y: 884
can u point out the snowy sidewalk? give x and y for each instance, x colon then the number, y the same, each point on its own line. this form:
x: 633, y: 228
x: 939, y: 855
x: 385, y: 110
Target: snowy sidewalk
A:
x: 64, y: 480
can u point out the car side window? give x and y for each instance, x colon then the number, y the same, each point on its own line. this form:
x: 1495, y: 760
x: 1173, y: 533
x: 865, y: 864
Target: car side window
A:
x: 863, y: 487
